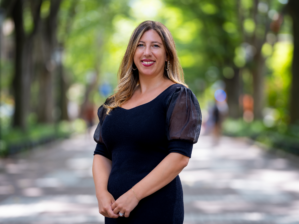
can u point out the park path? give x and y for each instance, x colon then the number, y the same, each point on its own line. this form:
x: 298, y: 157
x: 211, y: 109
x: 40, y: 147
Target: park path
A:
x: 234, y: 182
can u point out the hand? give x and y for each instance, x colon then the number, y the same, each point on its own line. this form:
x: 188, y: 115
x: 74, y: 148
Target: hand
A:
x: 105, y: 201
x: 125, y: 203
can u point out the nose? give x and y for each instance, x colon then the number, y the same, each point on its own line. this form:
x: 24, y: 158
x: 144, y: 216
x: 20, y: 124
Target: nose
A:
x: 147, y: 51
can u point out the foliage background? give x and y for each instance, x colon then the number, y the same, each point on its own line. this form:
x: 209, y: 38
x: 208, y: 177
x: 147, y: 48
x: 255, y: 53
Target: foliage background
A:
x: 217, y: 44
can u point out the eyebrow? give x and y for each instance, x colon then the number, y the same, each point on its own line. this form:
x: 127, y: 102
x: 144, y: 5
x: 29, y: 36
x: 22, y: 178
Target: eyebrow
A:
x: 152, y: 42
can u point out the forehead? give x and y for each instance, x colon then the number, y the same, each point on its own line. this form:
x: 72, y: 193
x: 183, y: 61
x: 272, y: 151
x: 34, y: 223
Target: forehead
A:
x: 151, y: 36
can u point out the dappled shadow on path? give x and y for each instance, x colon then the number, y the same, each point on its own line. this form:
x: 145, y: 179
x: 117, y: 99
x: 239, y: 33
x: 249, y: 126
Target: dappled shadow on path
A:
x: 238, y: 182
x: 232, y: 182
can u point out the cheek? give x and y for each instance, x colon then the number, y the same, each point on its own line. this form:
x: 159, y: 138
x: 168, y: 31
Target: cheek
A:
x: 135, y: 59
x: 137, y: 55
x: 161, y: 54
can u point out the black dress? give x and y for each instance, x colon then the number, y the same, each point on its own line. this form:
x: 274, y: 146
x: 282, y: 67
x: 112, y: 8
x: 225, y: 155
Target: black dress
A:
x: 138, y: 139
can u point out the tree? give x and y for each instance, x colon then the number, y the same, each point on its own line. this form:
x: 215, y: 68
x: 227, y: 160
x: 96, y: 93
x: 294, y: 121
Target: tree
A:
x: 256, y: 40
x: 293, y: 9
x: 220, y: 38
x: 47, y: 40
x: 87, y: 45
x: 23, y: 60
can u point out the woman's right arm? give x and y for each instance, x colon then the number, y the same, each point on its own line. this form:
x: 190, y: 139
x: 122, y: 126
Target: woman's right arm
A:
x: 101, y: 169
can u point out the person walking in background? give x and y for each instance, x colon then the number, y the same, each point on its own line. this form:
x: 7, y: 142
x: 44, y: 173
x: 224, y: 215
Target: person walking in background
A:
x: 145, y: 133
x: 218, y: 110
x: 217, y: 118
x: 248, y: 103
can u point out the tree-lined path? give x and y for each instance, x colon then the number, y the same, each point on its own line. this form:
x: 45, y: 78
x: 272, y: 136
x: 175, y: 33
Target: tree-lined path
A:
x: 234, y: 182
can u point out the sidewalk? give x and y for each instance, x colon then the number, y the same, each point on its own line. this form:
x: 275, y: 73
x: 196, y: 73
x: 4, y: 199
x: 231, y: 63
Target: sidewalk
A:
x: 234, y: 182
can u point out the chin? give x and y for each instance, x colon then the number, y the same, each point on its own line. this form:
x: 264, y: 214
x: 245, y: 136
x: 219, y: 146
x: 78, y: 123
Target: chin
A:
x: 147, y: 73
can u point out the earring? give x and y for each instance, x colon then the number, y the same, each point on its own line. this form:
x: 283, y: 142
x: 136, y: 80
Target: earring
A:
x: 167, y: 66
x: 134, y: 68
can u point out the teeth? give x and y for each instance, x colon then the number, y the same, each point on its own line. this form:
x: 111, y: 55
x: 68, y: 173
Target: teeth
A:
x: 148, y: 62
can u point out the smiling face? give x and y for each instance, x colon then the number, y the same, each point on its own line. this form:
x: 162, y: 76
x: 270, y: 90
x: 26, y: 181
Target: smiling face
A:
x: 150, y: 54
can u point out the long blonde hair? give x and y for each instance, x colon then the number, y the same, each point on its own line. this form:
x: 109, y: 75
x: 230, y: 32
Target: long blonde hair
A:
x: 129, y: 78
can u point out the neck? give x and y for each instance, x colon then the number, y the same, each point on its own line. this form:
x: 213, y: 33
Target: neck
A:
x: 150, y: 82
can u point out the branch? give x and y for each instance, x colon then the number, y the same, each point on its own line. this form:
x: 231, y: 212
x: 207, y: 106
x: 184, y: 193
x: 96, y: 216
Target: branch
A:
x: 51, y: 20
x: 255, y: 15
x: 36, y: 17
x: 241, y: 18
x: 7, y: 6
x: 70, y: 20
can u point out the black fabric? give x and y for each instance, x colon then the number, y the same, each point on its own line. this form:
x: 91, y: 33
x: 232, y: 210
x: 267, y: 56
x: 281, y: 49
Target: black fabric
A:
x: 138, y: 139
x: 183, y: 116
x: 101, y: 115
x: 216, y: 114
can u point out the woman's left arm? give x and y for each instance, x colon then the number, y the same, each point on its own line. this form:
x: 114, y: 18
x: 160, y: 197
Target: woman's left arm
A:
x: 160, y: 176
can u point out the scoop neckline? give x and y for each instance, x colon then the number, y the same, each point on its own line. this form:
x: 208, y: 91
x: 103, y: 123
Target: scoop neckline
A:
x: 149, y: 101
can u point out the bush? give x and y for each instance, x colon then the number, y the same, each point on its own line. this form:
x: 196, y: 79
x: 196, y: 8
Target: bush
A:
x: 15, y: 140
x: 280, y: 137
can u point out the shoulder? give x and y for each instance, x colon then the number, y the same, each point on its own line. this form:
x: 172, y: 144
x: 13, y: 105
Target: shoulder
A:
x: 179, y: 91
x: 178, y: 87
x: 183, y: 114
x: 107, y: 101
x: 102, y: 110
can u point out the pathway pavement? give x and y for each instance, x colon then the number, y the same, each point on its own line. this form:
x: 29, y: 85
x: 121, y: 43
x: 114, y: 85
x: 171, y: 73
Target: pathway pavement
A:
x: 234, y: 182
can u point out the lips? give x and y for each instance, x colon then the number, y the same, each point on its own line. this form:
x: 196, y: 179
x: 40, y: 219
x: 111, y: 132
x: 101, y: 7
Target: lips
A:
x: 147, y: 62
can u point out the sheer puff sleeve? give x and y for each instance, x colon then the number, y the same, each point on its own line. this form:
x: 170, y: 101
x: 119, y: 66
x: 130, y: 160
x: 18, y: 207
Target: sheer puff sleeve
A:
x: 101, y: 148
x: 183, y: 121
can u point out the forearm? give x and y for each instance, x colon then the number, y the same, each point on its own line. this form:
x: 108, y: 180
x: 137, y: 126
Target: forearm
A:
x: 161, y: 175
x: 101, y: 169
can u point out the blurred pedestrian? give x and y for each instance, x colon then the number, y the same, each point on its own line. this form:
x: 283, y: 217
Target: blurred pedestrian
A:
x: 145, y: 134
x: 248, y: 103
x: 218, y: 110
x: 219, y: 113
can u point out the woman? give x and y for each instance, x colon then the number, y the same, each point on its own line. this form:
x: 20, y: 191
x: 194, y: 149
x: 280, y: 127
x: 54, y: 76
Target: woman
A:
x: 146, y: 133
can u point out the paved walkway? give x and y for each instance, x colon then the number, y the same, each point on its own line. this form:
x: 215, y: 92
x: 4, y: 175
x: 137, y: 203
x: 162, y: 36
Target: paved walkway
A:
x: 234, y: 182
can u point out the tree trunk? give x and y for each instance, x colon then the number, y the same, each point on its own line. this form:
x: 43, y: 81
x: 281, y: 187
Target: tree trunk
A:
x: 258, y: 62
x: 19, y: 88
x: 293, y: 6
x: 64, y: 100
x: 48, y: 42
x: 46, y: 101
x: 63, y: 87
x: 233, y: 91
x: 27, y: 59
x: 23, y: 62
x: 258, y: 85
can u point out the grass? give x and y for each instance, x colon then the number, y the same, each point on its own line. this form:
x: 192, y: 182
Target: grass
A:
x: 15, y: 140
x: 281, y: 136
